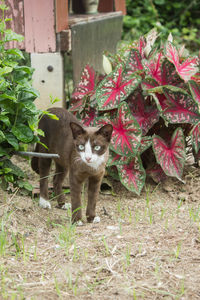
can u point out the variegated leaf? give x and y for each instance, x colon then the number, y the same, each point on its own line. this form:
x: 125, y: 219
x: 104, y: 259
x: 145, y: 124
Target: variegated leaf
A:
x: 171, y: 156
x: 153, y: 67
x: 115, y: 88
x: 132, y: 174
x: 86, y: 87
x: 145, y: 114
x: 116, y: 159
x: 195, y: 90
x: 195, y: 135
x: 134, y: 62
x: 126, y: 131
x: 180, y: 107
x: 186, y: 69
x: 145, y: 143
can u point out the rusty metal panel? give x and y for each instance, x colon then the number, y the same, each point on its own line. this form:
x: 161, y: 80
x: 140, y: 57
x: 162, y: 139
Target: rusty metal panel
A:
x: 90, y: 39
x: 16, y: 13
x: 61, y: 15
x: 106, y: 6
x: 39, y: 26
x: 120, y: 5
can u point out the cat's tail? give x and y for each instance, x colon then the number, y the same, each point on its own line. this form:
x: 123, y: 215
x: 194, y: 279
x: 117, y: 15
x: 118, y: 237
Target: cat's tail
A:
x: 35, y: 161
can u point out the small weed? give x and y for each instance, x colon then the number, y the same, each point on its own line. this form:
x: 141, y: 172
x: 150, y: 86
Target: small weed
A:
x: 194, y: 214
x: 3, y: 234
x: 149, y: 207
x: 57, y: 287
x: 177, y: 251
x: 71, y: 284
x: 127, y: 256
x: 76, y: 255
x: 67, y: 236
x: 107, y: 250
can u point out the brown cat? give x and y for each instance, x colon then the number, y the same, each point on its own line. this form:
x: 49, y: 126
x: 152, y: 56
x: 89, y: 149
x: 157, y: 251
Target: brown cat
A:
x: 83, y: 152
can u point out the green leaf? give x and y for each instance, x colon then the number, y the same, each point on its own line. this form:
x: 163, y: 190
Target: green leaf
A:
x: 3, y: 84
x: 25, y: 69
x: 23, y: 133
x: 15, y: 169
x: 5, y: 120
x: 11, y: 139
x: 51, y: 116
x: 12, y: 36
x: 25, y: 184
x: 5, y: 70
x: 15, y: 52
x: 2, y: 136
x: 3, y: 151
x: 7, y: 96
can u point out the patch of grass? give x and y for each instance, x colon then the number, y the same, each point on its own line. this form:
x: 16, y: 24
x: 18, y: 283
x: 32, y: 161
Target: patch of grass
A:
x: 106, y: 247
x: 67, y: 236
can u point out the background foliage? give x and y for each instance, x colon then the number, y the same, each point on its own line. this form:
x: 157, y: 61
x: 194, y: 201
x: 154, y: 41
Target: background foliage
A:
x: 181, y: 18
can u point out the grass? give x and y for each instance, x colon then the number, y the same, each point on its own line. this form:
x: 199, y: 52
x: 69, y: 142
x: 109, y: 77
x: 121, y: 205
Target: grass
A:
x: 146, y: 247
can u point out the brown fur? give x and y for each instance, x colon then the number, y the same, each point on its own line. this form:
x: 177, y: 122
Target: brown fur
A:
x: 63, y: 140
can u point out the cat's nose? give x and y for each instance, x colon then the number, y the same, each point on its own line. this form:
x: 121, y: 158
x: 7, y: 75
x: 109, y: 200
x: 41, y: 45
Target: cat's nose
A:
x: 88, y: 159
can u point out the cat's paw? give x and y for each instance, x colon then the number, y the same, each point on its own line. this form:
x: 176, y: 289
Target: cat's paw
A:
x: 79, y: 223
x: 44, y: 203
x: 97, y: 219
x: 66, y: 206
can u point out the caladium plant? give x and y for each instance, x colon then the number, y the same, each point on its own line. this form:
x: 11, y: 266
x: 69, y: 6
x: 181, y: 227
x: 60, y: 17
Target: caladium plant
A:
x: 152, y: 98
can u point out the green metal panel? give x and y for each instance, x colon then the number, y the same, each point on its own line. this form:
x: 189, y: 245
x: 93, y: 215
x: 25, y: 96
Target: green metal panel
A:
x: 90, y: 39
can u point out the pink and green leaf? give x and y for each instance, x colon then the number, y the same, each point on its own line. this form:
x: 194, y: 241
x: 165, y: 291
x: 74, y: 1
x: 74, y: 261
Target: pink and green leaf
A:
x: 145, y: 114
x: 132, y: 174
x: 153, y: 67
x: 90, y: 116
x: 169, y: 75
x: 171, y: 156
x: 185, y: 69
x: 126, y: 134
x: 180, y: 107
x: 86, y: 87
x: 195, y: 90
x: 134, y: 62
x: 115, y: 88
x: 195, y: 135
x: 116, y: 159
x: 145, y: 143
x: 151, y: 87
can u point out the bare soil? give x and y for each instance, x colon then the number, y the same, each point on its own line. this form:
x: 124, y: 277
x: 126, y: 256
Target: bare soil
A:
x: 145, y: 247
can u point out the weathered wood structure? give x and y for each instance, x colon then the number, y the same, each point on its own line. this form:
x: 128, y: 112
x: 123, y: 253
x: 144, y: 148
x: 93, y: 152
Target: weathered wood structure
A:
x: 50, y: 30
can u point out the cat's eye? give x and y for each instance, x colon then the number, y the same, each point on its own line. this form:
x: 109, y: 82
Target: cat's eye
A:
x: 97, y: 148
x: 81, y: 147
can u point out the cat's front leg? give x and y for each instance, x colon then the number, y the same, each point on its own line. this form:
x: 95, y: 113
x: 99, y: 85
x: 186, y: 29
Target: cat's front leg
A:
x: 93, y: 191
x: 75, y: 190
x: 44, y: 167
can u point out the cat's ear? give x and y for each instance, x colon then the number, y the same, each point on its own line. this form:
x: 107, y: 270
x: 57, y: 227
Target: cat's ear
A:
x: 106, y: 132
x: 76, y: 129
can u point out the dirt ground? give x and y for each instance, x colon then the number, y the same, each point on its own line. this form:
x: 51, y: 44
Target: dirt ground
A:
x: 145, y: 247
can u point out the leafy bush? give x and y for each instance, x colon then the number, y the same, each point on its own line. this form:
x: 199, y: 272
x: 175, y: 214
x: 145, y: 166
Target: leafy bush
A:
x: 151, y: 97
x: 18, y: 114
x: 181, y: 18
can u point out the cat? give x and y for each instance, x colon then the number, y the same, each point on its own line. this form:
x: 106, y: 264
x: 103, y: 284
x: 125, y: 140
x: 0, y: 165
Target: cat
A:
x: 83, y: 153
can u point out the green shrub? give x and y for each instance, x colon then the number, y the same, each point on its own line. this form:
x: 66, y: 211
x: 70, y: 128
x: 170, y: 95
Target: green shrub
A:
x: 18, y: 114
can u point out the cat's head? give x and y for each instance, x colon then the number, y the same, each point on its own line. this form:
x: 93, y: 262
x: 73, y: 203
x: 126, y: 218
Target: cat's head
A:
x: 92, y: 143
